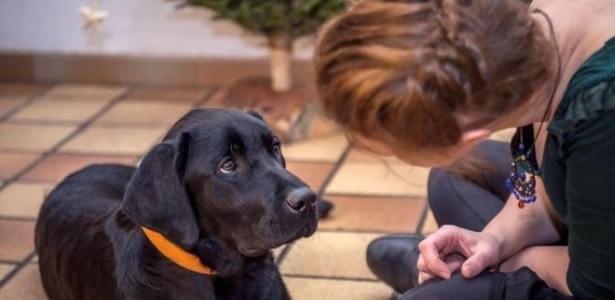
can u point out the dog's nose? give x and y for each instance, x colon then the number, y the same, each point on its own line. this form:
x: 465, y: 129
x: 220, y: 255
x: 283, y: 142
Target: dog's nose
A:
x: 300, y: 198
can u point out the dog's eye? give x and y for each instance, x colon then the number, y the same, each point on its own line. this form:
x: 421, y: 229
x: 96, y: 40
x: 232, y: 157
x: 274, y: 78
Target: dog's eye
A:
x: 228, y: 166
x: 277, y: 146
x: 235, y: 147
x: 277, y: 149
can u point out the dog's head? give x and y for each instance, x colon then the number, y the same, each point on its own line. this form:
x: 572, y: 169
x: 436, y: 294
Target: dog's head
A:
x: 221, y: 174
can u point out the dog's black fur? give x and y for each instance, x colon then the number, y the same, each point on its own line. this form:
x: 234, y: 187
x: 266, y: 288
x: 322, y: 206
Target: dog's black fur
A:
x: 216, y: 186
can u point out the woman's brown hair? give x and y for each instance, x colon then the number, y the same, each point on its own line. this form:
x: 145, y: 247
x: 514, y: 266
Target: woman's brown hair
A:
x: 411, y: 72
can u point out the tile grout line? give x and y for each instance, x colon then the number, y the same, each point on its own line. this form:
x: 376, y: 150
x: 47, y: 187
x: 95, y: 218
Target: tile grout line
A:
x: 16, y: 270
x: 31, y: 99
x: 283, y: 254
x: 405, y: 196
x: 338, y: 278
x: 333, y: 172
x: 421, y: 225
x: 9, y: 262
x: 360, y: 231
x: 62, y: 142
x: 104, y: 124
x: 18, y: 219
x: 207, y: 97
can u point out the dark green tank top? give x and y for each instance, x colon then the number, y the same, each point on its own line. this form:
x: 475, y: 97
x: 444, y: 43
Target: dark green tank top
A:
x: 578, y: 171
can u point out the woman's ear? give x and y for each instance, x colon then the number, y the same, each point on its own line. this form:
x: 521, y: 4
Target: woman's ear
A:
x: 473, y: 137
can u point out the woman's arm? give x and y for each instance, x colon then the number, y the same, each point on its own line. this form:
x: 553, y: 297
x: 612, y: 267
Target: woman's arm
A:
x: 542, y: 227
x: 550, y: 263
x: 516, y: 229
x: 510, y: 231
x: 534, y: 224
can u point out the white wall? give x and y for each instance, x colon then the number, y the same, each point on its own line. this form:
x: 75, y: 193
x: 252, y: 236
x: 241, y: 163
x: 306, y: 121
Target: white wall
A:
x: 149, y: 28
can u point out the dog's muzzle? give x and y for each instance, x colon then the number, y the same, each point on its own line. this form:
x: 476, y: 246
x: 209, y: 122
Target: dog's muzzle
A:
x: 301, y: 199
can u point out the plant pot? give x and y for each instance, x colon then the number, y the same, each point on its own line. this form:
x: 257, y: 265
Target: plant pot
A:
x: 293, y: 115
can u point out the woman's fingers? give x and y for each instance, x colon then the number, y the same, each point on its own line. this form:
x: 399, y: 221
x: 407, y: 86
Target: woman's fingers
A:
x: 472, y: 266
x: 485, y: 254
x: 424, y: 277
x: 420, y: 264
x: 424, y: 272
x: 446, y: 250
x: 453, y: 262
x: 436, y: 248
x: 432, y: 263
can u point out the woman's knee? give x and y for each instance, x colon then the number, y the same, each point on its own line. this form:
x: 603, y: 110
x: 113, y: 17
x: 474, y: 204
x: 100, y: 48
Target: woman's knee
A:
x: 440, y: 186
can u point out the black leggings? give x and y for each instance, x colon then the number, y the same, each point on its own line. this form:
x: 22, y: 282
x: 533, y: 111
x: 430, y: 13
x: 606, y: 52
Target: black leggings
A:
x: 457, y: 201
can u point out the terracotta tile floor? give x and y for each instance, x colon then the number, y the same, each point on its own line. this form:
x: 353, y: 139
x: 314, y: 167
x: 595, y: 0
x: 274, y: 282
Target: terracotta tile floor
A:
x: 49, y: 131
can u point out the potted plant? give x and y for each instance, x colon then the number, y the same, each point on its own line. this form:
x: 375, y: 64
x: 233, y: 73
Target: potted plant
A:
x: 283, y: 103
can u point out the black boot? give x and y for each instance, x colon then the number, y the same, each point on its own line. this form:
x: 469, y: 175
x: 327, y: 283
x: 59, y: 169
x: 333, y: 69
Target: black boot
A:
x: 393, y: 258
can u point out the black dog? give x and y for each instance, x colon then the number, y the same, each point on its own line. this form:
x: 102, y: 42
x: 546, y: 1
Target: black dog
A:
x: 214, y: 194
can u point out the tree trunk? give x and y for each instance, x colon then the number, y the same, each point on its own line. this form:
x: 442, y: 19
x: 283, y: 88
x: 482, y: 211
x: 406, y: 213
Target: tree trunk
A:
x: 281, y: 62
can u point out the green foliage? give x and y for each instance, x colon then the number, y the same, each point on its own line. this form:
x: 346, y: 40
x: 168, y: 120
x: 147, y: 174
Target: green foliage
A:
x: 294, y: 18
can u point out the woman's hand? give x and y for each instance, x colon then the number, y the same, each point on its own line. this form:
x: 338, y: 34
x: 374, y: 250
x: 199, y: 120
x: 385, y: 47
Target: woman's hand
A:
x: 451, y: 248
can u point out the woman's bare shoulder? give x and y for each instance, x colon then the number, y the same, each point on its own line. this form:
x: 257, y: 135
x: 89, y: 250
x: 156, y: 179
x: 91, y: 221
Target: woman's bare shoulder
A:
x: 582, y: 27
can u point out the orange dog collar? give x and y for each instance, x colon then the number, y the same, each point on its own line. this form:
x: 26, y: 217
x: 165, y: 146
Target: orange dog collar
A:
x: 176, y: 254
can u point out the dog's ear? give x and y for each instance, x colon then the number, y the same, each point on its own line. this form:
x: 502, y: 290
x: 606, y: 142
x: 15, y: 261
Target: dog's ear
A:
x: 256, y: 115
x: 156, y: 196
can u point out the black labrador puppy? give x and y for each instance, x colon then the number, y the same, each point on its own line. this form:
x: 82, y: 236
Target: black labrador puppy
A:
x: 196, y: 220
